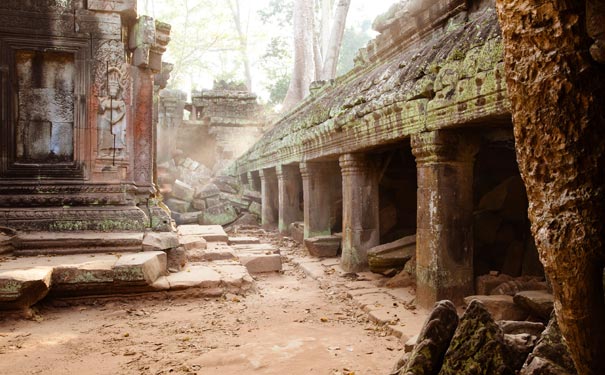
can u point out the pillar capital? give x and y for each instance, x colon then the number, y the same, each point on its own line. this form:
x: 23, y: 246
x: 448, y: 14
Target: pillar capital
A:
x: 287, y: 171
x: 311, y: 167
x: 351, y: 164
x: 444, y: 146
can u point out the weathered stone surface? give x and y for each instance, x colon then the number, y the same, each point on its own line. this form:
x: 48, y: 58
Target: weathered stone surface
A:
x: 402, y: 280
x: 177, y: 205
x: 514, y: 327
x: 176, y: 258
x: 183, y: 218
x: 259, y: 263
x: 87, y: 278
x: 519, y: 346
x: 153, y: 241
x: 501, y: 307
x: 208, y: 191
x: 393, y: 255
x: 538, y: 303
x: 21, y: 288
x: 247, y: 219
x: 323, y: 246
x: 182, y: 191
x: 235, y: 201
x: 5, y: 244
x: 213, y: 201
x: 515, y: 286
x: 255, y: 208
x: 211, y: 233
x: 199, y: 204
x: 218, y: 215
x: 243, y: 240
x: 194, y: 276
x: 297, y: 231
x: 37, y: 243
x: 551, y: 354
x: 192, y: 242
x: 264, y: 248
x: 484, y: 284
x: 432, y: 342
x: 142, y: 268
x: 478, y: 346
x: 252, y: 195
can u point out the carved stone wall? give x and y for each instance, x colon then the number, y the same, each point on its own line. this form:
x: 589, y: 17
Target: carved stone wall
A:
x: 74, y: 152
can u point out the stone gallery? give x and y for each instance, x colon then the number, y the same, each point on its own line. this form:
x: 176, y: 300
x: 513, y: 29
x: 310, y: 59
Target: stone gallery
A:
x: 462, y: 157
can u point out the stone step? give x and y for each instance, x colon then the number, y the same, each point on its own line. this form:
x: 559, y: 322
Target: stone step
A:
x: 214, y: 251
x: 263, y: 248
x: 243, y: 240
x: 211, y: 233
x: 63, y: 243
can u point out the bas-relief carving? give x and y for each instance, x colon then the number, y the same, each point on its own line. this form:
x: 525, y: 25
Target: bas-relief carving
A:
x: 111, y: 124
x: 112, y: 88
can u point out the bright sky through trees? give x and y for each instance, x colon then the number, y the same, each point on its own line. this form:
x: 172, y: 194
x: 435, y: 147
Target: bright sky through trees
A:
x: 204, y: 42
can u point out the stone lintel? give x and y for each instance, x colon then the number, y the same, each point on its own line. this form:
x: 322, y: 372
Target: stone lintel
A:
x: 361, y: 219
x: 444, y: 251
x: 126, y: 7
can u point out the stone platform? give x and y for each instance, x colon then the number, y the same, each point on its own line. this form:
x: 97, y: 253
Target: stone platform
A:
x: 211, y: 266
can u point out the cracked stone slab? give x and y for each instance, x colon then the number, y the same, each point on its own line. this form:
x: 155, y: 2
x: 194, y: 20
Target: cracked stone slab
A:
x: 21, y: 288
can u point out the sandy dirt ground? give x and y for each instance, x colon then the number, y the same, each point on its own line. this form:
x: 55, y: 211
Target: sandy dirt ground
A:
x: 291, y: 325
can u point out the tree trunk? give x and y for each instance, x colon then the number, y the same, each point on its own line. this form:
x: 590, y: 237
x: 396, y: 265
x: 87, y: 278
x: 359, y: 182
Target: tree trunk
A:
x: 557, y: 93
x: 333, y: 50
x: 304, y: 65
x: 243, y: 40
x: 326, y: 18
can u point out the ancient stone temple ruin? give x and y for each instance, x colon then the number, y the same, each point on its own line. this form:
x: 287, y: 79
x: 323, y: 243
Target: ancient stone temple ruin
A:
x: 222, y: 124
x: 76, y: 135
x: 416, y: 140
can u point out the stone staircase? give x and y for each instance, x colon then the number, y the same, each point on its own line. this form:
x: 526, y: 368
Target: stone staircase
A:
x: 201, y: 259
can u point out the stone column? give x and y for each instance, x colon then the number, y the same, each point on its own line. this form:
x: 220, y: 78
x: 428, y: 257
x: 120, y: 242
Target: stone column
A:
x: 290, y: 189
x: 360, y: 219
x: 319, y: 179
x: 444, y: 238
x: 269, y: 191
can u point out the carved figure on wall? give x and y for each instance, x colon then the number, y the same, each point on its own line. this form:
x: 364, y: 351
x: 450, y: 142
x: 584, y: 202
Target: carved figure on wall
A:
x: 112, y: 117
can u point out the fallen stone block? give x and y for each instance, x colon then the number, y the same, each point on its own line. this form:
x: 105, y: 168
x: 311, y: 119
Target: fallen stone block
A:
x: 484, y: 284
x: 186, y: 217
x: 176, y: 258
x: 199, y: 204
x: 247, y: 219
x: 22, y: 288
x: 255, y: 208
x: 209, y: 190
x: 218, y: 215
x: 213, y: 201
x: 182, y: 191
x: 226, y: 184
x: 538, y: 303
x: 156, y: 241
x: 478, y: 343
x: 259, y: 263
x: 140, y: 268
x: 323, y: 246
x: 194, y: 276
x: 513, y: 327
x: 193, y: 242
x: 211, y: 233
x: 501, y: 307
x: 177, y: 205
x: 263, y: 248
x: 297, y: 231
x: 235, y: 201
x: 393, y: 255
x: 252, y: 195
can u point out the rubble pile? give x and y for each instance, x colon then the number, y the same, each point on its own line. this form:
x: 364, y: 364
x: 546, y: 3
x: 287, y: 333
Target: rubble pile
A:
x: 196, y: 196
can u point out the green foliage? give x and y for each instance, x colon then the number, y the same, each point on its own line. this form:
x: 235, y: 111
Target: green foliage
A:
x: 353, y: 39
x: 278, y: 12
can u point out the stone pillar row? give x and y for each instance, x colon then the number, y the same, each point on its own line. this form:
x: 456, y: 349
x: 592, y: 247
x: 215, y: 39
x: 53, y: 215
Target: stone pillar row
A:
x: 444, y: 252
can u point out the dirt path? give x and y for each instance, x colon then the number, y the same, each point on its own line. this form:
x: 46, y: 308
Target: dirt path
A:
x: 291, y: 325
